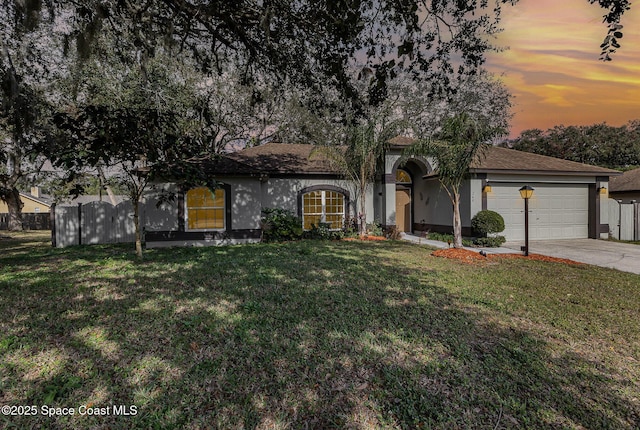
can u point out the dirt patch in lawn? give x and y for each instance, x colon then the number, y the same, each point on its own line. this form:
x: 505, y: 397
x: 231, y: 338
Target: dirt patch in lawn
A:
x: 473, y: 257
x: 371, y: 238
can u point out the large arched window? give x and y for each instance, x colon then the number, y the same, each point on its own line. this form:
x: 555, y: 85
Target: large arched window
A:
x: 205, y: 209
x: 323, y: 206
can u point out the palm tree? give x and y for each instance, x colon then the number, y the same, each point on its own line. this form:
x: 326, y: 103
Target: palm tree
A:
x: 461, y: 140
x: 359, y: 159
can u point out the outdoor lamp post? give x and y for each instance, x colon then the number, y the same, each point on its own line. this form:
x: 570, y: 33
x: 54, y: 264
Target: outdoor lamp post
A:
x: 526, y: 192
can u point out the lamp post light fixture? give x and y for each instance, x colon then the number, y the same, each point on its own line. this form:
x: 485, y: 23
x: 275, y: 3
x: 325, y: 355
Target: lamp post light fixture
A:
x: 526, y: 192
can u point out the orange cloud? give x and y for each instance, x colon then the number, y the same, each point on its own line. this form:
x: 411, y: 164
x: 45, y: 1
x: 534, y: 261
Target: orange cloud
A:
x: 553, y: 70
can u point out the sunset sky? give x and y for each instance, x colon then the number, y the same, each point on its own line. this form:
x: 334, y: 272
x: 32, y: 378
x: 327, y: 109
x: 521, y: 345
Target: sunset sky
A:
x: 552, y: 66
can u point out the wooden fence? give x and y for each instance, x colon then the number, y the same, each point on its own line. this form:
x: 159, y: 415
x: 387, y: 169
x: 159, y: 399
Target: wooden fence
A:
x: 624, y: 220
x: 92, y: 223
x: 30, y: 221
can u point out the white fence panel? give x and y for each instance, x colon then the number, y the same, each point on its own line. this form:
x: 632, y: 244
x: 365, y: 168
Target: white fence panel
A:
x: 624, y: 220
x: 66, y: 226
x: 94, y: 223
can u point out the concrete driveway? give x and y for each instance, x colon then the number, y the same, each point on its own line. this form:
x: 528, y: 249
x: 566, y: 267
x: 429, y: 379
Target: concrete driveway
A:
x: 621, y: 256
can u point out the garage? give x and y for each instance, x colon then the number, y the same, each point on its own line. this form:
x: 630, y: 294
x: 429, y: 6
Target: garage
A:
x: 556, y: 211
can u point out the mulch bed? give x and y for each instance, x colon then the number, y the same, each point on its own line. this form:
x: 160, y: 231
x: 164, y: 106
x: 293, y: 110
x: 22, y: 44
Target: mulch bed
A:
x: 371, y: 238
x: 473, y: 257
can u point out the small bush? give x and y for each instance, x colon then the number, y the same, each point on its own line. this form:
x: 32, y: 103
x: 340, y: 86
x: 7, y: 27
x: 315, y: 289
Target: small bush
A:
x: 393, y: 233
x: 279, y: 225
x: 322, y: 232
x: 490, y: 242
x: 487, y: 222
x: 374, y: 229
x: 447, y: 237
x: 350, y: 228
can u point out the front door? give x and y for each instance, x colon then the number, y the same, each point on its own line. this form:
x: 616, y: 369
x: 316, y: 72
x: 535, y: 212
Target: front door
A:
x: 403, y: 210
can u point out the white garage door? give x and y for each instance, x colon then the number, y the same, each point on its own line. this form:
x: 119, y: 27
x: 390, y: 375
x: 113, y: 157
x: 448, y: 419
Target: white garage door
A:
x: 555, y: 211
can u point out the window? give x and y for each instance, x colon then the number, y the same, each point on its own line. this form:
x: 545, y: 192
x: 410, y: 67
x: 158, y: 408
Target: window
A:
x: 323, y: 207
x: 205, y: 209
x: 402, y: 177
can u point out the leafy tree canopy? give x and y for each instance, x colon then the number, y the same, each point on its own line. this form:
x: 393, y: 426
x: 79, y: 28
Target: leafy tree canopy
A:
x: 311, y: 43
x: 599, y: 144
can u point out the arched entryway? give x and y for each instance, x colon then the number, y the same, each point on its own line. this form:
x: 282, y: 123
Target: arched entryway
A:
x: 404, y: 192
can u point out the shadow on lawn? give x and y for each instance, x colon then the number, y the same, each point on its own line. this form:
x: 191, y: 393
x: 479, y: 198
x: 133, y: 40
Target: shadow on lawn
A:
x: 298, y: 335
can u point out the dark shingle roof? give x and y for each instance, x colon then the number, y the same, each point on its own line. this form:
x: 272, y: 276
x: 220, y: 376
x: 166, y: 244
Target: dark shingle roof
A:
x: 506, y: 160
x: 283, y: 158
x: 628, y: 181
x: 401, y: 141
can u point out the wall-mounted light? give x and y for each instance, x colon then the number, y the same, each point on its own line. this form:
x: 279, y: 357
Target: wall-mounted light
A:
x: 486, y: 188
x: 602, y: 190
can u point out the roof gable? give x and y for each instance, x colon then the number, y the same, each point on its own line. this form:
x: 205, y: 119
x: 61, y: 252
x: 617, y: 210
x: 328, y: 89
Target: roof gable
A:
x: 628, y: 181
x: 45, y: 201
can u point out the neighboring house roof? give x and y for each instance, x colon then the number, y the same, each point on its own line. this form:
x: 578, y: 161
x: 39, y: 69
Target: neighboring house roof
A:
x: 284, y: 158
x: 628, y: 181
x: 504, y: 160
x: 44, y: 200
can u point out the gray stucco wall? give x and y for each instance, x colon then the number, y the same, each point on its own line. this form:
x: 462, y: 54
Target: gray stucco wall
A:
x: 164, y: 217
x: 283, y: 193
x: 248, y: 197
x: 432, y: 204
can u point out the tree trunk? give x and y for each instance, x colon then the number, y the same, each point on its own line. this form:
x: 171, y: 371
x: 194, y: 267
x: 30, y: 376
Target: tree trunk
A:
x: 103, y: 182
x: 14, y: 204
x: 136, y: 221
x: 363, y: 211
x: 457, y: 223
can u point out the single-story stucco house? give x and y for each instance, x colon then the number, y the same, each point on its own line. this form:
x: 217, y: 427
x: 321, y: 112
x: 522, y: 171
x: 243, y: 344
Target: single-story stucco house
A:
x: 626, y: 187
x: 569, y: 199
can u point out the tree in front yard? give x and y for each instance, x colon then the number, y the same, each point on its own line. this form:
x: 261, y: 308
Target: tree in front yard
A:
x: 27, y: 69
x: 460, y: 141
x: 453, y: 132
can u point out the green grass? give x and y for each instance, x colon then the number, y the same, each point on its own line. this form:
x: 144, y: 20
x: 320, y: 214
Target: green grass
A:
x: 314, y: 335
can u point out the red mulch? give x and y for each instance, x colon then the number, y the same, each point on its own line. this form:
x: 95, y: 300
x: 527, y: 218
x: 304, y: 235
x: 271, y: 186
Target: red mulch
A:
x: 472, y: 256
x: 372, y: 238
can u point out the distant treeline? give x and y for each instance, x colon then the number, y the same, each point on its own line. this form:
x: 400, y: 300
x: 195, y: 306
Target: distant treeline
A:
x: 598, y: 144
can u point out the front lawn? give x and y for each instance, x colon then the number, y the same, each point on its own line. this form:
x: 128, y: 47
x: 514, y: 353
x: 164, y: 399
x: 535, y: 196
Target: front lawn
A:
x: 313, y: 335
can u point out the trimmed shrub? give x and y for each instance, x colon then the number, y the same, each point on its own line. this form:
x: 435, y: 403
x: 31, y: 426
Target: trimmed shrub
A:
x: 490, y: 242
x: 487, y: 222
x: 322, y: 232
x: 279, y: 225
x: 374, y: 229
x: 447, y: 237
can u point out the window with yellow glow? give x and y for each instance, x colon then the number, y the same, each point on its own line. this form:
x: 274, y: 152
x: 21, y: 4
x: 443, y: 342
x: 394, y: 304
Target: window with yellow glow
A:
x: 205, y: 209
x: 323, y: 207
x: 402, y: 177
